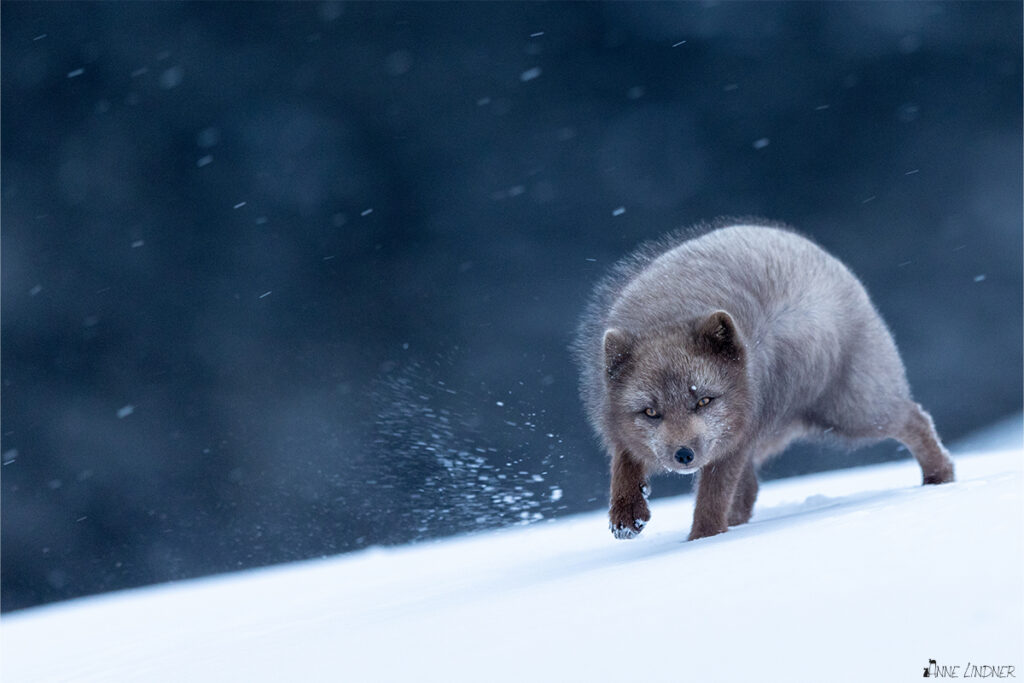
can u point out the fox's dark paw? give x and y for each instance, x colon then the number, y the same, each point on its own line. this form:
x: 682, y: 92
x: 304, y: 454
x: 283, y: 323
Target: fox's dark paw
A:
x: 630, y: 530
x: 737, y: 517
x: 705, y: 530
x: 943, y: 475
x: 628, y: 517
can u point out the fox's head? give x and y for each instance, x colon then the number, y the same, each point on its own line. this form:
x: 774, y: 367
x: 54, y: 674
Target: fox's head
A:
x: 680, y: 399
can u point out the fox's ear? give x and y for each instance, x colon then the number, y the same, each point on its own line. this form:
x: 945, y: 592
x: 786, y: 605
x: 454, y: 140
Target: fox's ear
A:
x: 717, y: 335
x: 618, y: 352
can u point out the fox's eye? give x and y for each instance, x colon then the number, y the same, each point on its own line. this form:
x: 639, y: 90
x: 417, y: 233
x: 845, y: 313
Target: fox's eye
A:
x: 704, y: 401
x: 651, y: 413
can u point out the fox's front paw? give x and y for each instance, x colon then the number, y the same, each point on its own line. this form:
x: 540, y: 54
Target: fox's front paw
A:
x: 705, y: 530
x: 628, y: 516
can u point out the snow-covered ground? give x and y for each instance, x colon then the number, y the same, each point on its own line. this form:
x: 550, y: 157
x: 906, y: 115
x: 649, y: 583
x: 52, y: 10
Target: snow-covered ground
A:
x: 856, y: 575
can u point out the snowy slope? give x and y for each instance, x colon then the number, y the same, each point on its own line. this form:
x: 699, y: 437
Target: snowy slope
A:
x: 857, y: 575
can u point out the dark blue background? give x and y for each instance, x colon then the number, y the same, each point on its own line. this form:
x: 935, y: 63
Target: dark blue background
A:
x: 308, y: 377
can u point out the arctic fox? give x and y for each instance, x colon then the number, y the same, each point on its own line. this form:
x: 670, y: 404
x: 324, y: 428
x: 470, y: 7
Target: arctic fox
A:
x: 708, y: 355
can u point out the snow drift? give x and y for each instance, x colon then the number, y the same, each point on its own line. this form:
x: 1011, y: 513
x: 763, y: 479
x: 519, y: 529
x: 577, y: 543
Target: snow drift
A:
x: 856, y: 575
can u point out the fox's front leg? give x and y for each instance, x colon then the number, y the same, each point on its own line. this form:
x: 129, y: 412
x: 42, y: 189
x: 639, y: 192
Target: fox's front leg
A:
x: 716, y: 487
x: 629, y: 512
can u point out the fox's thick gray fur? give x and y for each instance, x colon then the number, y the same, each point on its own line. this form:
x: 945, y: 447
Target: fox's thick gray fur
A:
x: 710, y: 352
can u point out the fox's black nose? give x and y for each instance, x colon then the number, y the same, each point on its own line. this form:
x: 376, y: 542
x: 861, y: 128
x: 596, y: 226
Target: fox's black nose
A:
x: 684, y: 455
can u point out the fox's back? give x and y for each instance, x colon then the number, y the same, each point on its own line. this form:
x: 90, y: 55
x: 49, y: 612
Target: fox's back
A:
x: 798, y: 309
x: 765, y: 277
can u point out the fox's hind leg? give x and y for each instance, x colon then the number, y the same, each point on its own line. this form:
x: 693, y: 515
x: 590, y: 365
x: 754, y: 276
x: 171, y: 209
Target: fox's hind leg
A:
x: 918, y: 434
x: 871, y: 401
x: 909, y: 424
